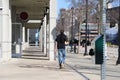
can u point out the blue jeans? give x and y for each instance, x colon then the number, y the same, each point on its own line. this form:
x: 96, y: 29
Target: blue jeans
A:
x: 61, y: 55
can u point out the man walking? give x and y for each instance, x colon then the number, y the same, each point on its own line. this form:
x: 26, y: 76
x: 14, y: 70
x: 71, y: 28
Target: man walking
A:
x: 60, y: 44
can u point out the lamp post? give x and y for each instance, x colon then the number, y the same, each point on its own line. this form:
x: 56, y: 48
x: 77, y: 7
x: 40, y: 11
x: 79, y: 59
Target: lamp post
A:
x: 98, y: 26
x: 62, y: 23
x: 72, y: 24
x: 86, y: 30
x: 72, y: 31
x: 88, y: 33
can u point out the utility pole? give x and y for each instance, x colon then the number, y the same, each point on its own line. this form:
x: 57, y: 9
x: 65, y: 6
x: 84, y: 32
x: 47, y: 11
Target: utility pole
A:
x: 86, y: 30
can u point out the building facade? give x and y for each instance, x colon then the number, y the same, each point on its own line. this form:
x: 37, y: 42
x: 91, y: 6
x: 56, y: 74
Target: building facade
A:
x: 14, y: 26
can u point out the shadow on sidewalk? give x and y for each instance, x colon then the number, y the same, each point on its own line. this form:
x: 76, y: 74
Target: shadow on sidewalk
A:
x: 35, y: 56
x: 34, y: 53
x: 86, y: 78
x: 40, y: 58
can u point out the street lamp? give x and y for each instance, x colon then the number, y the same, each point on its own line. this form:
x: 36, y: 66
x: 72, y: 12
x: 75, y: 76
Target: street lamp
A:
x: 86, y: 31
x: 71, y: 41
x: 72, y: 24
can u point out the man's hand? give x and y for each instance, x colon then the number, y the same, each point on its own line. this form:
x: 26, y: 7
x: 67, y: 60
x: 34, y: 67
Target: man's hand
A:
x: 66, y: 42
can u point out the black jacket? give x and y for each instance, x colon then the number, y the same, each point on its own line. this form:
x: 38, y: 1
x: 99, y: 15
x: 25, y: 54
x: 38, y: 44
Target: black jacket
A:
x: 61, y: 38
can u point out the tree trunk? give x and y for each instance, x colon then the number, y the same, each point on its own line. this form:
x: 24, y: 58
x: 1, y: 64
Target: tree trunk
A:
x: 79, y: 35
x: 118, y: 60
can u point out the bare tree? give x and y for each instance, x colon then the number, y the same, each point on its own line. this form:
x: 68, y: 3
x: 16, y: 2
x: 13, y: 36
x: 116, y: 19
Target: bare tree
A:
x: 80, y: 7
x: 118, y: 60
x: 79, y: 13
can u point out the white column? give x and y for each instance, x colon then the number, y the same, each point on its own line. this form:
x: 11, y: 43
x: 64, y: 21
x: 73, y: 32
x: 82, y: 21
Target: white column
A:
x: 47, y: 40
x: 28, y: 36
x: 41, y: 38
x: 1, y: 27
x: 53, y: 8
x: 45, y: 35
x: 23, y: 34
x: 6, y: 31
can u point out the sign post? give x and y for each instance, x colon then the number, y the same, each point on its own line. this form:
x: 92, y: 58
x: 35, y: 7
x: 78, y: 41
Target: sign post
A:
x: 103, y: 25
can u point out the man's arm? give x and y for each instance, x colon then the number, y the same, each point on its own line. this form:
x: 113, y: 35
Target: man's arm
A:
x: 55, y: 47
x: 66, y: 40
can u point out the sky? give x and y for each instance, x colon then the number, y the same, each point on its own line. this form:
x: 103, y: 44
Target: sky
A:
x: 115, y: 3
x: 64, y: 4
x: 61, y: 4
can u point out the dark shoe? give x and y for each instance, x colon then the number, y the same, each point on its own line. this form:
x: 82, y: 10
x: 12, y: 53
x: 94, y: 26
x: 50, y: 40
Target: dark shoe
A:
x: 117, y: 63
x: 85, y: 54
x: 60, y: 65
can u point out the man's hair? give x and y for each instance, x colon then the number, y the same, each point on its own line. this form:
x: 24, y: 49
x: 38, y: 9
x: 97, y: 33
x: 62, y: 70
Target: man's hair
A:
x: 61, y: 31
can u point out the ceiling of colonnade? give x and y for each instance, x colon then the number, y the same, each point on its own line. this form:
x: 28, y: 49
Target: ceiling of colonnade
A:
x: 34, y: 8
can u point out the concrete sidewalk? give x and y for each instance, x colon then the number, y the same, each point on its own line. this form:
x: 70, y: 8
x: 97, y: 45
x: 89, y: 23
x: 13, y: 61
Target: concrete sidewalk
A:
x: 35, y: 66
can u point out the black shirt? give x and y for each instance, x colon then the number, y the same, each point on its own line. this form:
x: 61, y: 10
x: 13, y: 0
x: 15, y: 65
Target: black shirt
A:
x: 61, y: 38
